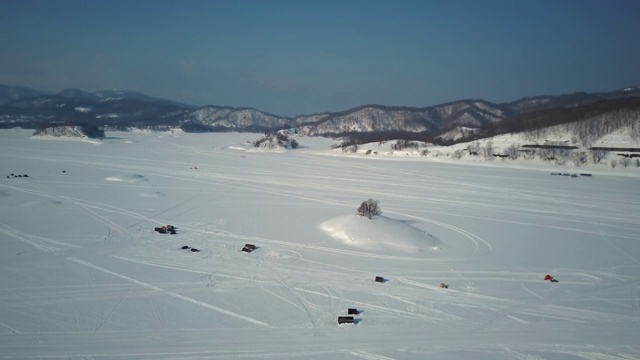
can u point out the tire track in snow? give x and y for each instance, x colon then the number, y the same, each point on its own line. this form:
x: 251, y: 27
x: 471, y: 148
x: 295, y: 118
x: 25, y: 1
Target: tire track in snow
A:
x: 9, y: 328
x: 166, y: 292
x: 88, y: 208
x: 77, y: 202
x: 232, y: 182
x: 517, y: 319
x: 508, y: 306
x: 111, y: 312
x: 465, y: 233
x: 38, y: 245
x: 541, y: 225
x: 367, y: 355
x: 207, y: 277
x: 38, y: 242
x: 302, y: 301
x: 322, y: 248
x: 52, y: 295
x: 154, y: 304
x: 530, y: 291
x: 622, y: 252
x: 283, y: 298
x: 205, y: 273
x: 473, y: 237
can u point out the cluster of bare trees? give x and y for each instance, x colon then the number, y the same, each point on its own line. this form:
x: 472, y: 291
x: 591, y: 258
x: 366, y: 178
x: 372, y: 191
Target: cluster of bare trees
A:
x: 457, y: 154
x: 405, y: 144
x: 627, y: 161
x: 512, y: 151
x: 586, y: 122
x: 558, y: 154
x: 564, y: 155
x: 350, y: 149
x: 599, y: 117
x: 553, y: 152
x: 359, y: 138
x: 369, y: 208
x: 580, y: 157
x: 272, y: 140
x: 588, y: 131
x: 476, y: 149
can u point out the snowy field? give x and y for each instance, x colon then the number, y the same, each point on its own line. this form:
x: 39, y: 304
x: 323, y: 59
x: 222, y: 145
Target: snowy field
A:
x: 85, y: 276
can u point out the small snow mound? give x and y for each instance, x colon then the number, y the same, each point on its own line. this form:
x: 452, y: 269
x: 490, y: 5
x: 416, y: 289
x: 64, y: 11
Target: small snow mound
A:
x: 155, y: 194
x: 268, y: 149
x: 379, y: 233
x: 132, y: 178
x: 111, y: 116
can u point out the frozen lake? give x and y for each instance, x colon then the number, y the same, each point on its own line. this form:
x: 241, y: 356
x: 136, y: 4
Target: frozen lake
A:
x: 84, y: 274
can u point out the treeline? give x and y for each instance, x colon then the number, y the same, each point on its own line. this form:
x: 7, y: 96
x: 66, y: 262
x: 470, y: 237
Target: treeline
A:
x: 588, y: 131
x: 91, y: 131
x: 191, y: 127
x: 276, y: 139
x: 586, y: 122
x: 359, y: 138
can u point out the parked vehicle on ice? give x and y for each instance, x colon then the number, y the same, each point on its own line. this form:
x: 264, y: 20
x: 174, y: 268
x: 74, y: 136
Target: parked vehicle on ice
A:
x: 166, y: 229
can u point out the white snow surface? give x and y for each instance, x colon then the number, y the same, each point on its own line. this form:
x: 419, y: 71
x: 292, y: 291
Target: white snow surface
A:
x: 378, y: 233
x: 107, y: 115
x: 84, y: 275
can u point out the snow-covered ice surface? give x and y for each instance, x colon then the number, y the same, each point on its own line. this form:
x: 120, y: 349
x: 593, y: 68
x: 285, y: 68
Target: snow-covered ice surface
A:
x: 84, y: 275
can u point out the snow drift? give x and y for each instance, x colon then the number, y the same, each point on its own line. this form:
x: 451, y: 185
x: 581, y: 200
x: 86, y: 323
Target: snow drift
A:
x: 379, y: 233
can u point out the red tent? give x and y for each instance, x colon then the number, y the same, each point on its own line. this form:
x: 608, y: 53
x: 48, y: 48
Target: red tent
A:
x: 548, y: 277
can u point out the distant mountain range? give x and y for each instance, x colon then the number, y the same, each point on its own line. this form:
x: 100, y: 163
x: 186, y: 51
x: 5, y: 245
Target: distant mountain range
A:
x: 455, y: 121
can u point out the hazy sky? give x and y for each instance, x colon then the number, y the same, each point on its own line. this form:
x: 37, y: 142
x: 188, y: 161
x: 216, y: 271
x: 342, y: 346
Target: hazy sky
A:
x: 301, y: 57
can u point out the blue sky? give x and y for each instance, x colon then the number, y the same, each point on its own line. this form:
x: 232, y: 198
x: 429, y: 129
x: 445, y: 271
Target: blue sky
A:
x: 303, y: 57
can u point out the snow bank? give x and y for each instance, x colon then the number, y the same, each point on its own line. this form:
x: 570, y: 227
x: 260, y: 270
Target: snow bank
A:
x: 379, y: 233
x: 132, y: 178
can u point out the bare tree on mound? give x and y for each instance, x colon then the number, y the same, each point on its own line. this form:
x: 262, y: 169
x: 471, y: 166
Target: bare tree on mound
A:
x: 369, y: 208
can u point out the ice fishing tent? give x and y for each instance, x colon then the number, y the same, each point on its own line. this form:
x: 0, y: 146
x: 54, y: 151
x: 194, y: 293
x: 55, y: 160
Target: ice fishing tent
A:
x: 249, y: 248
x: 345, y: 320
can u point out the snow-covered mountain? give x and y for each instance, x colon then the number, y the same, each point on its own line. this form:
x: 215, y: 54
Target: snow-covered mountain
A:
x: 75, y: 94
x: 109, y: 108
x: 228, y: 118
x: 433, y: 119
x: 125, y: 109
x: 537, y: 103
x: 9, y: 94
